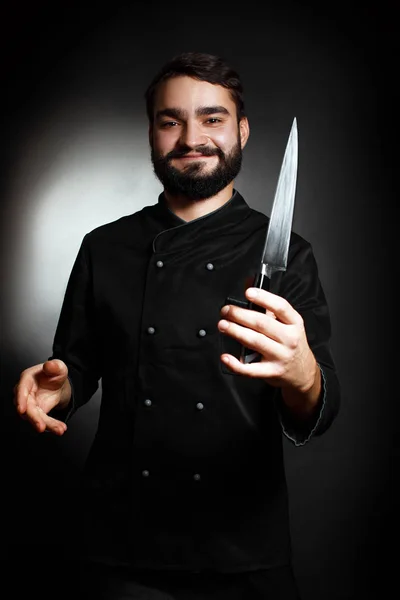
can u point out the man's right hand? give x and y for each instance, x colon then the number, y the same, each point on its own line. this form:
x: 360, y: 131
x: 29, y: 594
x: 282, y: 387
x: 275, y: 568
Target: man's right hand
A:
x: 40, y: 389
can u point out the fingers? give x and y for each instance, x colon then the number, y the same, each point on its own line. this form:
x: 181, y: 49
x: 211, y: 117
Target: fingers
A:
x: 275, y: 334
x: 20, y: 398
x: 280, y: 322
x: 43, y: 422
x: 36, y: 393
x: 25, y: 387
x: 265, y: 323
x: 281, y: 308
x: 267, y: 370
x: 255, y: 340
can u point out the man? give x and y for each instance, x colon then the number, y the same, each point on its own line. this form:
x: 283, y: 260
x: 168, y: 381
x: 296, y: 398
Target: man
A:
x: 184, y: 487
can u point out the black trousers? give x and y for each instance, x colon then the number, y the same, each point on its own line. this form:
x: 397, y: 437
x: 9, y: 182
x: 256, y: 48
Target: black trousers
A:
x: 104, y: 583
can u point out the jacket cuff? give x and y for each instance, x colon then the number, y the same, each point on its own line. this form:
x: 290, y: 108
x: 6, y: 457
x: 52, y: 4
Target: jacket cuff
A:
x: 298, y: 431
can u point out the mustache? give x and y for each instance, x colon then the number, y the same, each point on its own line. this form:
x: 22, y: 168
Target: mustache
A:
x: 185, y: 150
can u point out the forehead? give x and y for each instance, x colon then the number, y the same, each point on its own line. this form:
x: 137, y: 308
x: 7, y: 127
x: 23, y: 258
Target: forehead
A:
x: 188, y: 94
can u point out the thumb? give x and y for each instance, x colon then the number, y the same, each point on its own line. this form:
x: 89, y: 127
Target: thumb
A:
x: 55, y: 368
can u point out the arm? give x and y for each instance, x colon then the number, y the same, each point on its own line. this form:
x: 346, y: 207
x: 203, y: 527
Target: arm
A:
x: 75, y: 340
x: 304, y: 402
x: 310, y: 411
x: 293, y: 339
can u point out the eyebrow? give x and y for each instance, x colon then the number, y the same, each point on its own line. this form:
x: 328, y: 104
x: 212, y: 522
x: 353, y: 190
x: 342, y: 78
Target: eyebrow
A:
x: 178, y: 113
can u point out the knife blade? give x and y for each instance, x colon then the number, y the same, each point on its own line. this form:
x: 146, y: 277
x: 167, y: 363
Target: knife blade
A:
x: 276, y: 248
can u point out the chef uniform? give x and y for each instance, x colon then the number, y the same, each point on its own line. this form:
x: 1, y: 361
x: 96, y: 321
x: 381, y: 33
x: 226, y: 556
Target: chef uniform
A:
x: 186, y: 470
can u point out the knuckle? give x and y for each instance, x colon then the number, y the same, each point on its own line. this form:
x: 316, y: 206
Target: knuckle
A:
x: 256, y: 340
x: 293, y: 343
x: 283, y: 367
x: 285, y: 304
x: 235, y: 313
x: 259, y: 322
x: 263, y: 346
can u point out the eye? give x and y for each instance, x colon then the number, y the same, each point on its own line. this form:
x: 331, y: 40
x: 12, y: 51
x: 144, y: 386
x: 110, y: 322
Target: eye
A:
x: 213, y: 120
x: 168, y: 124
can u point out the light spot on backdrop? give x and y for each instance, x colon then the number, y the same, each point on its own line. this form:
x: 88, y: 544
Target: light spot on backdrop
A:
x: 74, y: 179
x: 76, y: 171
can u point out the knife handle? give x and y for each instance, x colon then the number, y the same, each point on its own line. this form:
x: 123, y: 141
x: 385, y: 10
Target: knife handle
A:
x: 247, y: 355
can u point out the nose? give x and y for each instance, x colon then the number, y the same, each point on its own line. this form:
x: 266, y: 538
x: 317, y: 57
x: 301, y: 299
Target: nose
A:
x: 192, y: 135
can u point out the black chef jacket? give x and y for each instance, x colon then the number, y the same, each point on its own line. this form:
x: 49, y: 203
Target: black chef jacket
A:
x: 186, y: 469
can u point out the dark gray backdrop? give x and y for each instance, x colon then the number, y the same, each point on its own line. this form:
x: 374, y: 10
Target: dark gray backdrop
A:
x: 75, y: 155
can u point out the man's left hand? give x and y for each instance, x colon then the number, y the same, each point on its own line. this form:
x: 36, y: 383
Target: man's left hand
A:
x: 278, y: 335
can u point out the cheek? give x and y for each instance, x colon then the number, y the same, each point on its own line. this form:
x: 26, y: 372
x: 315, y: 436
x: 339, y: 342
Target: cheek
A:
x: 162, y: 142
x: 226, y: 140
x: 221, y: 139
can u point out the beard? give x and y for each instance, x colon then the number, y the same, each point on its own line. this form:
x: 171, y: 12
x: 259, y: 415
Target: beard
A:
x: 191, y: 181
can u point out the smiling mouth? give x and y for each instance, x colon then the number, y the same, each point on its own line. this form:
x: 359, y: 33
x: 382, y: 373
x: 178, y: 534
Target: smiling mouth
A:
x: 193, y: 157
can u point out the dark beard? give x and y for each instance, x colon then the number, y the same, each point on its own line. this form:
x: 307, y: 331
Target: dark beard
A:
x: 191, y: 182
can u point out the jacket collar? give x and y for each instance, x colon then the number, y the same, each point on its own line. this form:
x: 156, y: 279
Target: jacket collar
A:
x: 175, y: 233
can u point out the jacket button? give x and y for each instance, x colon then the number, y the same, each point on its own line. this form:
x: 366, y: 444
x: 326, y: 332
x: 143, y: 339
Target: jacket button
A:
x: 147, y: 402
x: 159, y: 264
x: 202, y: 332
x: 196, y: 477
x: 199, y: 406
x: 151, y: 330
x: 145, y: 473
x: 209, y: 266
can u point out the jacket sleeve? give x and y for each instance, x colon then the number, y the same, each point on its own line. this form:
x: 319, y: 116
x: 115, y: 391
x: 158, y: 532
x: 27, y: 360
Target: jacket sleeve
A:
x: 301, y: 286
x: 75, y: 337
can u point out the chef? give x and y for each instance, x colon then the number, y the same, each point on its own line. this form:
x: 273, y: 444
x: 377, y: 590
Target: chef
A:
x: 185, y: 476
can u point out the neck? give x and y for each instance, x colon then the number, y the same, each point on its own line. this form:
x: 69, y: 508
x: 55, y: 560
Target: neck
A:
x: 187, y: 209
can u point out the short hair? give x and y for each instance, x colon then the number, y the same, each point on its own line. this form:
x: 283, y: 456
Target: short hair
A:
x: 201, y: 66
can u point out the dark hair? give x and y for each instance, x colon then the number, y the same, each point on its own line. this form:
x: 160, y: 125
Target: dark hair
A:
x: 202, y: 66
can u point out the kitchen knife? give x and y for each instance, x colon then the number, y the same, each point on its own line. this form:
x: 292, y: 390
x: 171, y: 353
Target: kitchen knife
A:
x: 275, y: 254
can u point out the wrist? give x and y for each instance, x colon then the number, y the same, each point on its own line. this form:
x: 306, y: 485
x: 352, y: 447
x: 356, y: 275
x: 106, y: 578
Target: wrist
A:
x: 303, y: 400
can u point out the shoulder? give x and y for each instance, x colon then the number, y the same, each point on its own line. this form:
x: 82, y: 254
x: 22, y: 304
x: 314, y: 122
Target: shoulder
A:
x: 120, y: 226
x: 121, y: 230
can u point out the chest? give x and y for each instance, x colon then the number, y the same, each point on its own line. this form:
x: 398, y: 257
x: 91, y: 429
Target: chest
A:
x: 176, y: 293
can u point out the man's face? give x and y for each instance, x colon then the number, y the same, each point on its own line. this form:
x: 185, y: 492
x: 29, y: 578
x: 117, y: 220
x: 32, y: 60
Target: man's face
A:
x: 196, y: 142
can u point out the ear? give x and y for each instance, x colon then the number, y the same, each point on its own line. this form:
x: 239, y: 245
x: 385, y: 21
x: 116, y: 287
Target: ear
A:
x: 244, y: 131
